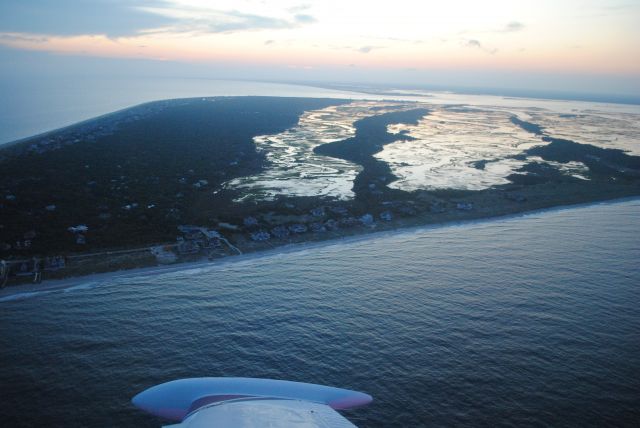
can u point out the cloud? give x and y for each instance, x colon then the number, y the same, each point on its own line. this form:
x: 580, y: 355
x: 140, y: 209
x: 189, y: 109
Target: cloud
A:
x: 299, y: 8
x: 362, y: 49
x: 28, y: 38
x: 367, y: 49
x: 269, y: 42
x: 304, y: 18
x: 119, y: 18
x: 476, y: 44
x: 203, y: 19
x: 72, y: 17
x: 397, y: 39
x: 513, y: 26
x: 229, y: 22
x: 510, y: 27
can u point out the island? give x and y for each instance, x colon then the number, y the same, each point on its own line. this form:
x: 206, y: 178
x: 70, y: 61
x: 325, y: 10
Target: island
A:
x: 149, y: 185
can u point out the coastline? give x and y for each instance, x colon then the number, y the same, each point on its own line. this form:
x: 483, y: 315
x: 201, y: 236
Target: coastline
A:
x: 133, y: 210
x: 74, y: 125
x: 24, y: 291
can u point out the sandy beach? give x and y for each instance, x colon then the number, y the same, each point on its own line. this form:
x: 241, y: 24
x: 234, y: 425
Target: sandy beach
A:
x: 24, y: 291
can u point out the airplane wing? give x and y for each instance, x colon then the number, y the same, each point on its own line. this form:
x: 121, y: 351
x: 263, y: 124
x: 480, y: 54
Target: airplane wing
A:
x: 248, y: 402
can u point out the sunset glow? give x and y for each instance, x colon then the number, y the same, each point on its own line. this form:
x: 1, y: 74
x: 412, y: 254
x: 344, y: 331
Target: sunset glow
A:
x: 591, y: 37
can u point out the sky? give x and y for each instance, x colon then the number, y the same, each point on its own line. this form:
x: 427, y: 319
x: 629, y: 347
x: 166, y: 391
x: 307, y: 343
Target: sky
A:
x: 572, y: 45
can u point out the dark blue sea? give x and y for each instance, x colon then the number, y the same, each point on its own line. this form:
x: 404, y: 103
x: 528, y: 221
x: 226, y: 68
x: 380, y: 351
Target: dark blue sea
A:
x: 524, y: 321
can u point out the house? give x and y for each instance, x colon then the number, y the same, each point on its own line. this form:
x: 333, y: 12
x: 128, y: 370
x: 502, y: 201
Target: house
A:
x: 386, y: 216
x: 280, y: 232
x: 188, y: 247
x: 212, y: 238
x: 191, y: 233
x: 298, y: 228
x: 211, y: 234
x: 201, y: 236
x: 366, y: 220
x: 163, y: 254
x: 81, y: 228
x: 260, y: 236
x: 318, y: 227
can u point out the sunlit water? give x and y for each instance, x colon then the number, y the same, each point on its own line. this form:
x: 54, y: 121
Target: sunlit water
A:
x: 447, y: 143
x: 528, y: 321
x: 599, y: 128
x: 32, y: 106
x: 293, y: 168
x: 461, y: 130
x: 443, y: 152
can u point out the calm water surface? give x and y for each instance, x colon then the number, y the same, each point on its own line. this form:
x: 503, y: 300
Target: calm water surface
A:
x: 529, y: 321
x: 31, y: 106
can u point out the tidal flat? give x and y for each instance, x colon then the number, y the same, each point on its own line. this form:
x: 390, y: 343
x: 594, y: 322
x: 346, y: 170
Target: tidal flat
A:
x: 189, y: 179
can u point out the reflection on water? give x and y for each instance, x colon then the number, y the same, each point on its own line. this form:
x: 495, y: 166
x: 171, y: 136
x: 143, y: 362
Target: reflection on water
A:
x: 531, y: 321
x: 443, y: 159
x: 448, y: 142
x: 468, y: 146
x: 295, y: 170
x: 451, y: 140
x: 602, y: 129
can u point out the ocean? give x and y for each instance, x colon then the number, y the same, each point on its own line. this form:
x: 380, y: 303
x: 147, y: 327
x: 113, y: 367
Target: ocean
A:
x: 30, y: 106
x: 530, y: 320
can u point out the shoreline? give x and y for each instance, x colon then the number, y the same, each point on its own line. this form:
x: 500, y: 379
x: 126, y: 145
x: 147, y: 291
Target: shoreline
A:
x: 23, y: 291
x: 134, y: 209
x: 80, y: 123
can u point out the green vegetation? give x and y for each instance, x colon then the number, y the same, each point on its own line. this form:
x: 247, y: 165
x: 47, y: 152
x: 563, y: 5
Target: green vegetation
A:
x: 132, y: 177
x: 603, y: 164
x: 371, y: 136
x: 128, y: 180
x: 609, y: 162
